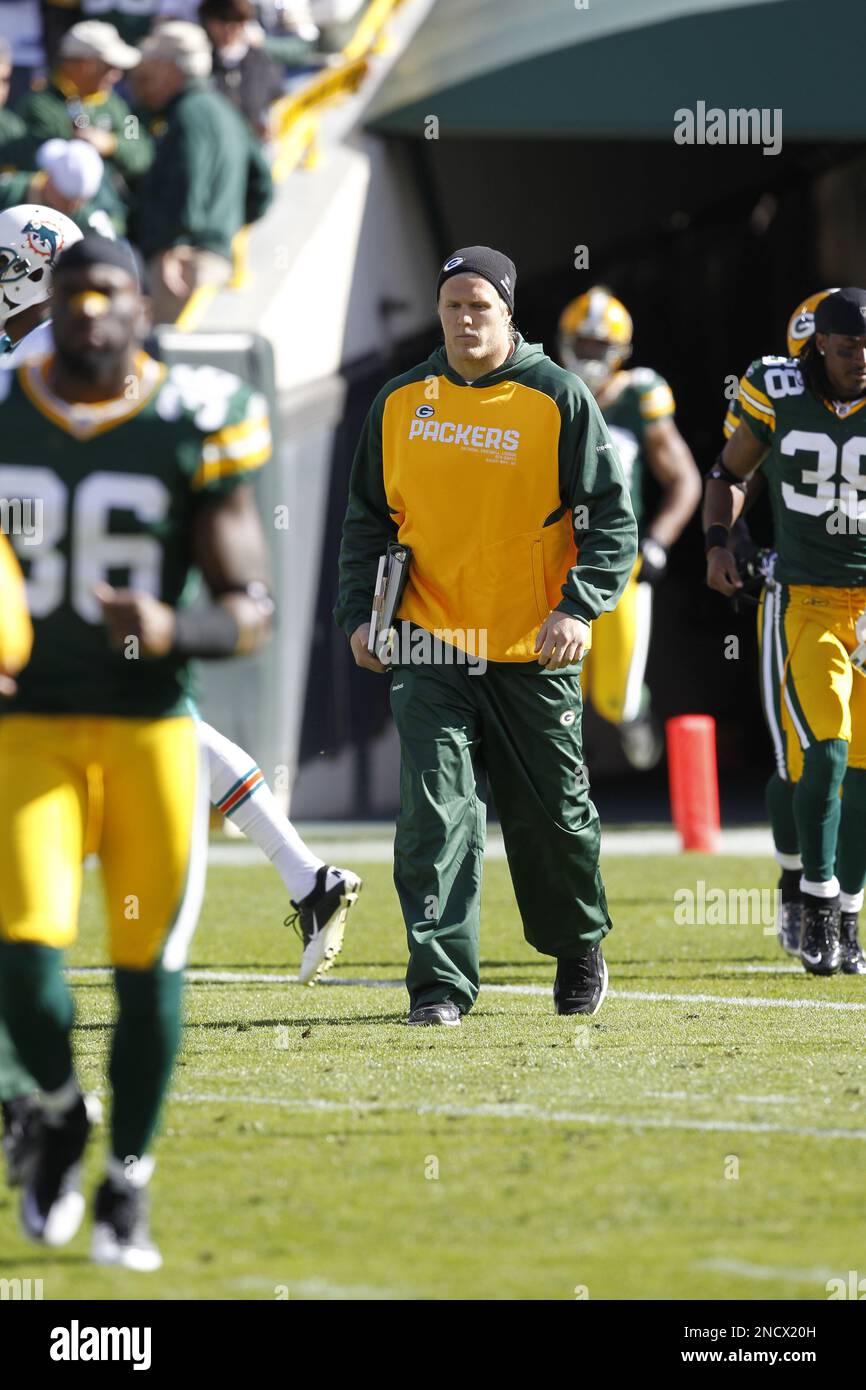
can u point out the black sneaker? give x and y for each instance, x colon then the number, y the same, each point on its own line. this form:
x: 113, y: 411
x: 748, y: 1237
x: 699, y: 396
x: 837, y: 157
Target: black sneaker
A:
x: 820, y: 950
x: 789, y: 927
x: 788, y: 922
x: 121, y: 1235
x: 320, y: 920
x: 22, y: 1127
x: 581, y: 983
x: 853, y: 959
x: 52, y: 1205
x: 446, y: 1013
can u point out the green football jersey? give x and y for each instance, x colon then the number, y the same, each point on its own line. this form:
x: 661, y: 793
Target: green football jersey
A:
x: 734, y: 412
x: 645, y: 397
x: 814, y: 474
x: 106, y: 493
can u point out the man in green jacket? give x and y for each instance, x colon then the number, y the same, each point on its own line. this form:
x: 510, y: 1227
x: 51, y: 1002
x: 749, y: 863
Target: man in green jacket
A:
x: 11, y: 126
x: 208, y: 179
x: 79, y: 102
x: 494, y: 465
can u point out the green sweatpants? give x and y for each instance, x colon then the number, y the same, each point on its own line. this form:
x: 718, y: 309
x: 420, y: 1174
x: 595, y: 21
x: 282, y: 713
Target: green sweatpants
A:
x: 517, y: 728
x: 14, y: 1079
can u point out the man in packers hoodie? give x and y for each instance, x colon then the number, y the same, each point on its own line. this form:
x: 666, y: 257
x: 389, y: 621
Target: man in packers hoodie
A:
x: 494, y: 465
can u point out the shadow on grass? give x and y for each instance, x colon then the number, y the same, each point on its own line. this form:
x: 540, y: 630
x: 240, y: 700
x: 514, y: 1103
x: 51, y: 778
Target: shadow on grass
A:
x: 234, y: 1025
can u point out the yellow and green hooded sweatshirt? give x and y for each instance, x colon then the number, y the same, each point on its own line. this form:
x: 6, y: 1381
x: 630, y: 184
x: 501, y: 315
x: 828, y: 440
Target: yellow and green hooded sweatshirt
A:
x: 509, y: 491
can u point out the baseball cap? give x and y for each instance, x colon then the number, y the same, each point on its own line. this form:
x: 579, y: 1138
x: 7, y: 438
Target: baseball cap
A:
x: 92, y: 38
x: 177, y: 41
x: 73, y: 166
x: 844, y: 311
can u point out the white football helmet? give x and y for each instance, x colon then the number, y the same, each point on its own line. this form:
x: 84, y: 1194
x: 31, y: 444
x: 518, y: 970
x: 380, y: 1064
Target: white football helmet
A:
x: 31, y: 239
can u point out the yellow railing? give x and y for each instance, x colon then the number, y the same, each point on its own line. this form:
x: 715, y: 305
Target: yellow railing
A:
x: 295, y: 119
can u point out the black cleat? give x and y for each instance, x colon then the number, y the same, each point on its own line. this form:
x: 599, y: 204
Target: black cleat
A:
x: 581, y: 983
x: 788, y: 927
x: 446, y: 1013
x: 820, y: 950
x: 22, y: 1128
x: 788, y: 915
x: 853, y: 959
x: 121, y: 1235
x: 320, y: 920
x: 52, y: 1205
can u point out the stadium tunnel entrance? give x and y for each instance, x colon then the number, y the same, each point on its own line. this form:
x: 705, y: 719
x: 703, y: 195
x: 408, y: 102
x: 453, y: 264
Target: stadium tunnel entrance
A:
x: 710, y: 247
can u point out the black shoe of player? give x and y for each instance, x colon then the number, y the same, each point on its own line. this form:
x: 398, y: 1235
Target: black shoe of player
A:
x: 320, y: 920
x: 853, y: 959
x: 820, y: 950
x: 121, y: 1235
x: 581, y: 983
x: 425, y: 1015
x: 22, y: 1127
x: 52, y: 1205
x: 789, y: 926
x: 788, y: 916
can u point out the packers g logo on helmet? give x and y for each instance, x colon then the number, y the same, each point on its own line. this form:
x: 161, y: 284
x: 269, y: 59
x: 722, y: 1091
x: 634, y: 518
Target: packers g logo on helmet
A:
x: 801, y: 324
x: 599, y: 316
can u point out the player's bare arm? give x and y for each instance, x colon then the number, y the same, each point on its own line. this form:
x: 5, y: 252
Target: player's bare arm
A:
x: 673, y: 466
x: 724, y: 499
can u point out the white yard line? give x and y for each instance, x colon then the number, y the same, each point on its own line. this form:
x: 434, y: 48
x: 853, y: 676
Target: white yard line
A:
x: 243, y: 977
x: 768, y: 1272
x: 377, y: 847
x: 322, y: 1289
x: 517, y: 1111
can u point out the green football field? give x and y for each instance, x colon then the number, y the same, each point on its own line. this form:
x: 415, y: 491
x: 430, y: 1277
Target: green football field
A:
x: 703, y: 1137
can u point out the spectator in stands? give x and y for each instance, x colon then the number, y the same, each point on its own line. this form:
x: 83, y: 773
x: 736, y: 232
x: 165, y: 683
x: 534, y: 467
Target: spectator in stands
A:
x: 242, y: 70
x: 57, y: 17
x: 22, y: 30
x: 79, y: 102
x: 131, y: 18
x: 11, y: 126
x: 68, y: 176
x: 208, y: 178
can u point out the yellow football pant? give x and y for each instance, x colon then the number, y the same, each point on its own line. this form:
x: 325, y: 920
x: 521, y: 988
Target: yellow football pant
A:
x: 822, y: 696
x: 152, y: 840
x: 16, y: 634
x: 613, y: 671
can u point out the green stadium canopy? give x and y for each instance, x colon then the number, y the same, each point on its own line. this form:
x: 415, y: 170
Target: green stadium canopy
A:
x: 622, y: 68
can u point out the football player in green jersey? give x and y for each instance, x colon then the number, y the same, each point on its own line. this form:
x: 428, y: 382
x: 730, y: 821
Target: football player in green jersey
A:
x: 31, y: 238
x: 139, y: 472
x: 780, y: 788
x: 802, y: 423
x: 595, y: 333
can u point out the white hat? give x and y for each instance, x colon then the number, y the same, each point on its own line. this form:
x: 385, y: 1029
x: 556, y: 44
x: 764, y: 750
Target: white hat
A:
x: 185, y: 45
x: 73, y: 166
x: 94, y: 39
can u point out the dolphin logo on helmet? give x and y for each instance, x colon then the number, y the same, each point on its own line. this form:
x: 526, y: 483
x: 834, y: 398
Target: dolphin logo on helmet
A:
x: 31, y: 239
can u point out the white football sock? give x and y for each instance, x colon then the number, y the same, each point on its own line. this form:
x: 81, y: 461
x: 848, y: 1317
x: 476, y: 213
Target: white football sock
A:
x: 828, y: 889
x: 239, y: 790
x: 129, y: 1172
x: 851, y: 902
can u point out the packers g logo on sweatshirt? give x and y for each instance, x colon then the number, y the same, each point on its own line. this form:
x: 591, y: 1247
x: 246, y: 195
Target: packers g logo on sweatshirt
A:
x: 485, y: 439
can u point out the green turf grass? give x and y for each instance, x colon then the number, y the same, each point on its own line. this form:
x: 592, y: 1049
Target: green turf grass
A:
x: 298, y: 1156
